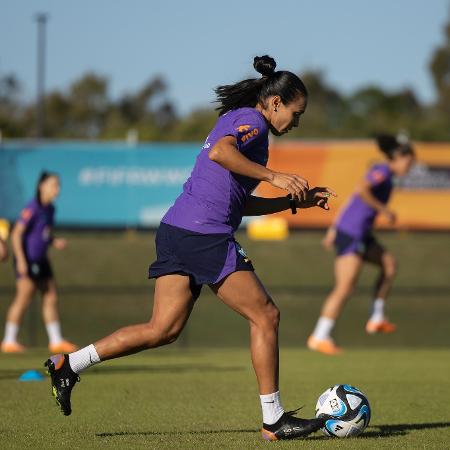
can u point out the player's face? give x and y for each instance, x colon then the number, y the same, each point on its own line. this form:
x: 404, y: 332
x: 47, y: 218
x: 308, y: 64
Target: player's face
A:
x: 285, y: 117
x: 50, y: 188
x: 402, y: 164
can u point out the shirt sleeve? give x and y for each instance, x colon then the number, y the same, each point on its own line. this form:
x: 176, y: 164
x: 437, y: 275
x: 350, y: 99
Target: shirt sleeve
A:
x: 247, y: 130
x: 26, y: 216
x: 377, y: 175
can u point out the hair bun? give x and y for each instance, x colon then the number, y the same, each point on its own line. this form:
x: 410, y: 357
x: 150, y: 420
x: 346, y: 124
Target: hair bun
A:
x: 387, y: 142
x: 265, y: 65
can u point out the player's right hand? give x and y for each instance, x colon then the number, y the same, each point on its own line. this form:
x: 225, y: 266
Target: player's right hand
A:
x: 3, y: 251
x: 294, y: 184
x: 22, y: 268
x: 329, y: 238
x: 390, y: 216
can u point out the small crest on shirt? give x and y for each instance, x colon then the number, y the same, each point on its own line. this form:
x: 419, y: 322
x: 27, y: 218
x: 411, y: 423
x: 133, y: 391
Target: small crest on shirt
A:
x: 243, y: 128
x: 26, y: 213
x: 378, y: 176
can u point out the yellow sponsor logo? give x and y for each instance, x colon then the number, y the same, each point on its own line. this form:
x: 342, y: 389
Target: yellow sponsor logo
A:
x: 243, y: 128
x: 249, y: 135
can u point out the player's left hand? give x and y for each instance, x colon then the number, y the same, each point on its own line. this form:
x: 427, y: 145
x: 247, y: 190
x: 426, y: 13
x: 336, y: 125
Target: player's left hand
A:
x: 317, y: 196
x: 59, y: 243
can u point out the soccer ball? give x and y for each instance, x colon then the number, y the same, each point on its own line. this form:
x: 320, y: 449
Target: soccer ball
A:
x: 346, y: 410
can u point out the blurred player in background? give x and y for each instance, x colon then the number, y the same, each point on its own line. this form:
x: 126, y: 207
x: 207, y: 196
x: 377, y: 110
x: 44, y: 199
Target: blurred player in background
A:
x: 31, y: 237
x: 355, y: 244
x: 195, y: 242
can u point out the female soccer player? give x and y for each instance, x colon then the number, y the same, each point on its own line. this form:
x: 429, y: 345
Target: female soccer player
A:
x: 195, y: 243
x: 31, y: 238
x: 355, y: 244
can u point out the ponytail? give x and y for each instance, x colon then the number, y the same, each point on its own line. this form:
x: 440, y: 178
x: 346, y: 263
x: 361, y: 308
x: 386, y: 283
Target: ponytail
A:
x: 390, y: 145
x: 250, y: 92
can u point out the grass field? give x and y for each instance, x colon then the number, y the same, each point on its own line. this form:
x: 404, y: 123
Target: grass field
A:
x: 201, y: 392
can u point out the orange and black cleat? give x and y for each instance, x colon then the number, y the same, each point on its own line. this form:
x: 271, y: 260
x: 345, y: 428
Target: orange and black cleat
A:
x: 325, y: 346
x: 290, y: 427
x: 63, y: 380
x: 383, y: 326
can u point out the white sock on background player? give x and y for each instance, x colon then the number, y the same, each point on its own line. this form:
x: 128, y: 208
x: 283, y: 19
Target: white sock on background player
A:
x: 323, y: 328
x: 83, y: 358
x: 54, y: 332
x: 271, y: 407
x: 377, y: 313
x: 11, y: 331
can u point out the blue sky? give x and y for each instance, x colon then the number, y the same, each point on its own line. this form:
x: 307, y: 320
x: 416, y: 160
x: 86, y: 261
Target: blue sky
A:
x: 197, y: 45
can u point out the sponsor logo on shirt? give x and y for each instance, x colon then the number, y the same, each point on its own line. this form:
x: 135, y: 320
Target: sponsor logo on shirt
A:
x: 249, y: 135
x: 378, y: 176
x: 26, y: 214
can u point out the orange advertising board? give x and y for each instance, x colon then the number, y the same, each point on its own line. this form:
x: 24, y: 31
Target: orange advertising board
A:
x: 421, y: 201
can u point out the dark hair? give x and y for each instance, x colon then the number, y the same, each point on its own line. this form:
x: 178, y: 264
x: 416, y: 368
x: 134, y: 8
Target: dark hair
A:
x: 391, y: 145
x: 42, y: 177
x: 252, y: 91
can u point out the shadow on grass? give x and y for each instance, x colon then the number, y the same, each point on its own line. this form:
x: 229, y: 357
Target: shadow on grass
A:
x: 170, y: 433
x: 401, y: 429
x: 6, y: 374
x: 375, y: 431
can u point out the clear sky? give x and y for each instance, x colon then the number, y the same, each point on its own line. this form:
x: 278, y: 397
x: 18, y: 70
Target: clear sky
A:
x: 197, y: 45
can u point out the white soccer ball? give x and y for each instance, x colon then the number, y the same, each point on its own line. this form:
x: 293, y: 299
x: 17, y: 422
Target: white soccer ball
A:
x: 346, y: 410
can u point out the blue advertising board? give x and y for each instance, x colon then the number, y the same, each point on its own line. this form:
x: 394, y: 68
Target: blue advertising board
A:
x: 102, y: 185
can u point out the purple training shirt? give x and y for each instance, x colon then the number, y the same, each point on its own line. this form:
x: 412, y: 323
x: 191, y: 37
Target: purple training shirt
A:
x: 213, y: 198
x: 38, y: 221
x: 358, y: 217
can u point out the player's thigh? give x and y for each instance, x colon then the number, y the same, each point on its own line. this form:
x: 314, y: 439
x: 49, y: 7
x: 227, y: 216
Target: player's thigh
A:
x: 346, y: 269
x: 173, y: 302
x: 243, y: 292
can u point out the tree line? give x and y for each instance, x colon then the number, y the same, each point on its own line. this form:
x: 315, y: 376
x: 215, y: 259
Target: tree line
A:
x: 85, y: 110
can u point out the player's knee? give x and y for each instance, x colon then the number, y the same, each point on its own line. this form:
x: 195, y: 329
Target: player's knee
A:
x: 344, y: 290
x: 50, y: 299
x: 163, y: 335
x: 268, y: 317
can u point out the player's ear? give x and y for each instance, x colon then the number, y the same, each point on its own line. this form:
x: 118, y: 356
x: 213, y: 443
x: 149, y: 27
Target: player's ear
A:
x: 275, y: 102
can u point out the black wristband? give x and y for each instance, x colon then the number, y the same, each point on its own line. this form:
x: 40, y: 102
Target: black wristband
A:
x: 292, y: 204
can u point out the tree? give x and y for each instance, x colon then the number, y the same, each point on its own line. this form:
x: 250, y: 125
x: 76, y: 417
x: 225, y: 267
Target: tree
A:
x: 440, y: 70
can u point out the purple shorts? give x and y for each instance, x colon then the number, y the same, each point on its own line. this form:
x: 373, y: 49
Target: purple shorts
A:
x: 346, y: 244
x: 205, y: 258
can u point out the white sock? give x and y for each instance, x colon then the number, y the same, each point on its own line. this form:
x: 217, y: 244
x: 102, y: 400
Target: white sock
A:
x: 377, y: 314
x: 54, y: 332
x: 84, y: 358
x: 323, y: 328
x: 11, y: 330
x: 271, y: 407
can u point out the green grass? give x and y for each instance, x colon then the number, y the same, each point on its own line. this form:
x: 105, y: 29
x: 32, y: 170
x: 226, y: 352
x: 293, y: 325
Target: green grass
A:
x: 201, y: 391
x: 174, y: 399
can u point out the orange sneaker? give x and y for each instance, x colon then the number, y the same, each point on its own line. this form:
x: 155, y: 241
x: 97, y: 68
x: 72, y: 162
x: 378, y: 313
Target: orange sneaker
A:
x: 383, y: 326
x: 62, y: 347
x: 325, y: 346
x: 12, y: 347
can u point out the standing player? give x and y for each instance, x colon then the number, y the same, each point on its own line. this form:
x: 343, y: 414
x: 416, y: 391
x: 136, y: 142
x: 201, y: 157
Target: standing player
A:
x: 31, y: 238
x: 355, y: 244
x: 195, y: 242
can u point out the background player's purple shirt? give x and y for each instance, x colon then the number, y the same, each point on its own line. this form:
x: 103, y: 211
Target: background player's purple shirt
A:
x: 358, y: 217
x: 38, y: 221
x: 213, y: 198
